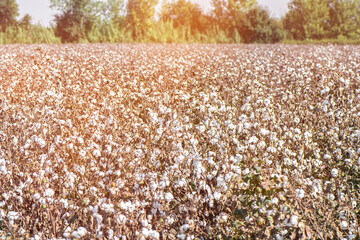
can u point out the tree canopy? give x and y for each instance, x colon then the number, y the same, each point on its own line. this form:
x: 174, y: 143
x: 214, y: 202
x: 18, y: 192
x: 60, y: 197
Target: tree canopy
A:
x: 9, y: 10
x: 239, y: 21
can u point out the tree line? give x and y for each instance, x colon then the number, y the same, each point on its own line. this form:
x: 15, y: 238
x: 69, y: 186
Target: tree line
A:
x: 228, y: 21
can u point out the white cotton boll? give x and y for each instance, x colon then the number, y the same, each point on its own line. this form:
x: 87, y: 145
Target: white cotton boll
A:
x: 331, y: 197
x: 36, y: 196
x: 169, y: 197
x: 181, y: 236
x: 170, y: 220
x: 253, y: 139
x: 111, y: 234
x: 214, y: 141
x: 213, y: 123
x: 184, y: 228
x: 261, y: 145
x: 145, y: 232
x: 15, y: 140
x: 245, y: 171
x: 67, y: 232
x: 70, y: 146
x: 296, y: 120
x: 342, y: 215
x: 202, y: 128
x: 334, y: 172
x: 351, y: 236
x: 344, y: 225
x: 217, y: 195
x: 37, y: 237
x: 12, y: 215
x: 154, y: 235
x: 121, y: 219
x: 264, y: 131
x: 98, y: 218
x: 96, y: 153
x: 300, y: 193
x: 224, y: 217
x: 275, y: 201
x: 294, y: 220
x: 41, y: 142
x: 49, y: 192
x: 153, y: 186
x: 99, y: 234
x: 82, y: 231
x: 3, y: 170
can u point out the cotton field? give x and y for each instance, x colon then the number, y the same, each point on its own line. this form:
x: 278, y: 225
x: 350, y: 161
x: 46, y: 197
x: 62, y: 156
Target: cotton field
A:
x: 179, y: 142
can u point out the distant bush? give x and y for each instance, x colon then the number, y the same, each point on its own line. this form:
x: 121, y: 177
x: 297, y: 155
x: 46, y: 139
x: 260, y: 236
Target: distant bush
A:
x: 340, y: 41
x: 28, y: 34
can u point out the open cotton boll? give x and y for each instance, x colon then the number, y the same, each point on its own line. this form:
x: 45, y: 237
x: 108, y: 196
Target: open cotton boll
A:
x: 334, y: 172
x: 79, y: 233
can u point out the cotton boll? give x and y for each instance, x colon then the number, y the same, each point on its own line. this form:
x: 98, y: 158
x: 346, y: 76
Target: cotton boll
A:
x: 334, y: 172
x: 169, y: 197
x: 145, y: 232
x: 217, y: 195
x: 96, y: 153
x: 154, y: 235
x: 49, y: 192
x: 294, y: 220
x: 79, y: 233
x: 184, y: 228
x: 36, y: 196
x: 67, y: 233
x: 300, y: 193
x: 344, y: 225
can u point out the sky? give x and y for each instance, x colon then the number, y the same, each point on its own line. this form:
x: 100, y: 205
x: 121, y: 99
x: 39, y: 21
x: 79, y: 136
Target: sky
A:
x: 41, y: 13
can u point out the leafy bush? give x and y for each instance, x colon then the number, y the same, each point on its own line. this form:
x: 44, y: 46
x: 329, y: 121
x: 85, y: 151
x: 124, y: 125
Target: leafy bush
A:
x: 31, y: 34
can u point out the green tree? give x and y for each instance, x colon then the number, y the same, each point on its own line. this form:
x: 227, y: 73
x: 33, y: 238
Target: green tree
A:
x: 259, y: 27
x: 140, y: 18
x: 230, y: 15
x: 185, y: 14
x: 9, y: 10
x: 76, y: 18
x: 245, y: 20
x: 220, y: 14
x: 344, y: 19
x: 294, y: 20
x: 317, y: 16
x: 25, y: 21
x: 307, y: 19
x: 114, y: 11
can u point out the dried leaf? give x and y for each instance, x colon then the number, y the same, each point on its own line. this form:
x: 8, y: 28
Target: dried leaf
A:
x: 267, y: 233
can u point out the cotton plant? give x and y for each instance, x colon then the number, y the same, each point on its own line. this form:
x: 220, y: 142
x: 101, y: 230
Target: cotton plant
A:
x: 182, y: 143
